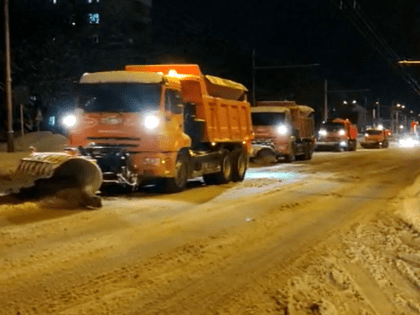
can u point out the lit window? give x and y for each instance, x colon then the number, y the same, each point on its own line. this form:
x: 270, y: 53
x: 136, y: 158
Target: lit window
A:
x: 54, y: 1
x: 89, y: 1
x: 93, y: 18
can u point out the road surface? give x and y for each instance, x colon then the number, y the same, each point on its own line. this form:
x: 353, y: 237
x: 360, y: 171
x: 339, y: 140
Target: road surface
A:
x: 311, y: 237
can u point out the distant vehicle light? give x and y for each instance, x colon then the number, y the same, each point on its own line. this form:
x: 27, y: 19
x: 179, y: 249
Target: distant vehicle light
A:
x: 408, y: 142
x: 282, y: 129
x: 343, y: 144
x: 342, y: 132
x: 151, y: 122
x: 69, y: 120
x: 380, y: 127
x: 323, y: 132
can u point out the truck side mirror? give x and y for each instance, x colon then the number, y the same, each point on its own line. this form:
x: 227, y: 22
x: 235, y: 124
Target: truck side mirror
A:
x: 190, y: 109
x: 177, y: 109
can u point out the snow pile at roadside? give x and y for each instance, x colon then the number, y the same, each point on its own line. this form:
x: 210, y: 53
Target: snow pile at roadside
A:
x: 409, y: 209
x: 376, y: 269
x: 42, y: 141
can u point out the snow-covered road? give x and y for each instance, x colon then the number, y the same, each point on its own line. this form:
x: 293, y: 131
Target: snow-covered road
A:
x: 335, y: 235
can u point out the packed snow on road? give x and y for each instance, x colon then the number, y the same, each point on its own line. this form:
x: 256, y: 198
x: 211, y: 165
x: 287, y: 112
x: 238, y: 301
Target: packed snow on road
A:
x: 338, y: 234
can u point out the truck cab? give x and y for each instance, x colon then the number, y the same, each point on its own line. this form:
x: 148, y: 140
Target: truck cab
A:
x: 283, y: 129
x: 337, y: 134
x: 375, y: 138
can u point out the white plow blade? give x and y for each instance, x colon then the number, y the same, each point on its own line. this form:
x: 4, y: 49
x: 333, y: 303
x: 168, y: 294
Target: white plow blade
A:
x: 63, y: 169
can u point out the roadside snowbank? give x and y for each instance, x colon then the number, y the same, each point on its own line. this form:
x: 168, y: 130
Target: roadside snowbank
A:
x: 41, y: 140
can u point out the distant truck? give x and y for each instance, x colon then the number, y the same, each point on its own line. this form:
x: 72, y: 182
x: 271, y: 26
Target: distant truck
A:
x: 283, y: 129
x: 337, y: 134
x: 376, y: 138
x: 161, y: 124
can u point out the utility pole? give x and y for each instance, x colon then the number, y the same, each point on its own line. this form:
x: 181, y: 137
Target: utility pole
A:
x: 326, y: 100
x: 253, y: 77
x: 8, y: 80
x: 255, y: 68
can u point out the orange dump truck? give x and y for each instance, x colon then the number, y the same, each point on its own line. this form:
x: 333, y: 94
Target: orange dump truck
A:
x: 376, y: 138
x: 163, y: 124
x: 338, y: 134
x: 283, y: 129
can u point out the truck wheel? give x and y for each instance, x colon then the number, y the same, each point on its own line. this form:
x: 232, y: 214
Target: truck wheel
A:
x: 240, y: 164
x: 308, y: 151
x: 291, y: 157
x: 225, y: 174
x: 354, y: 145
x: 178, y: 182
x: 385, y: 144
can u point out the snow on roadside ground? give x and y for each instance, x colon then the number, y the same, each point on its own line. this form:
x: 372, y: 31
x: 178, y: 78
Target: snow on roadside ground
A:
x: 375, y: 268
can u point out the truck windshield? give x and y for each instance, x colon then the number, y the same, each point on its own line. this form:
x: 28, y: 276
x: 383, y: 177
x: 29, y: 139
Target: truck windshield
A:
x: 372, y: 132
x: 267, y: 119
x: 119, y: 97
x: 332, y: 126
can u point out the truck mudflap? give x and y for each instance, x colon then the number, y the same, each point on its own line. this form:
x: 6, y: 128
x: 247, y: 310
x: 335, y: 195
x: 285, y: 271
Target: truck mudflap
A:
x: 57, y: 171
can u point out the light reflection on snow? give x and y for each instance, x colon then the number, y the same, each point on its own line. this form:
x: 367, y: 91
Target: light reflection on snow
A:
x: 273, y: 175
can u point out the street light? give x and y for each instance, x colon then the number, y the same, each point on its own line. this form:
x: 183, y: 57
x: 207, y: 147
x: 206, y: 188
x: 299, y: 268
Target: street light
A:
x: 409, y: 62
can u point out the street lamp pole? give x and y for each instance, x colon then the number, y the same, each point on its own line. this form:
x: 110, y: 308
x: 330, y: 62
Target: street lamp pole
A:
x: 8, y: 80
x: 325, y: 100
x: 253, y: 77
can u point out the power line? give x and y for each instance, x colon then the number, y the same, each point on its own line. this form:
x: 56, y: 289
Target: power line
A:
x: 366, y: 29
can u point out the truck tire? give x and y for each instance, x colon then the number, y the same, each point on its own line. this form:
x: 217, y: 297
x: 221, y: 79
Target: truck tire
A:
x: 179, y: 182
x: 385, y: 144
x: 308, y: 151
x: 240, y: 165
x: 225, y: 174
x: 354, y: 145
x: 288, y: 158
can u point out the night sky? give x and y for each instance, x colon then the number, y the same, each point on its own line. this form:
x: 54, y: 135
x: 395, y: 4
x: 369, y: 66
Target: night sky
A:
x: 302, y: 32
x: 357, y: 45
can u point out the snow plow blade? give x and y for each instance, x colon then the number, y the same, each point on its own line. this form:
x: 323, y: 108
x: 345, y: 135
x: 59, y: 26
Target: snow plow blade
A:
x: 52, y: 171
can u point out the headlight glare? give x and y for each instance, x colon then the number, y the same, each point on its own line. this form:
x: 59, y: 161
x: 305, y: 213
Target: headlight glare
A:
x: 151, y: 122
x: 282, y: 129
x: 69, y: 120
x: 341, y: 132
x: 323, y: 132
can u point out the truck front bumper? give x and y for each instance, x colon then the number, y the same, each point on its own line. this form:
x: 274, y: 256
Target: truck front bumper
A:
x: 371, y: 144
x: 150, y: 165
x: 341, y: 144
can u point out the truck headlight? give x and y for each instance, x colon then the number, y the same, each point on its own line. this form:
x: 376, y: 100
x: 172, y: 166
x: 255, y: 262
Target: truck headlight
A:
x: 342, y: 132
x: 151, y: 122
x: 282, y: 129
x: 323, y: 132
x: 69, y: 120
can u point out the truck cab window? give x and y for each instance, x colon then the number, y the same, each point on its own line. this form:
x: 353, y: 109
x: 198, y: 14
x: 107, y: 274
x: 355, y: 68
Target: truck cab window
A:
x: 173, y: 102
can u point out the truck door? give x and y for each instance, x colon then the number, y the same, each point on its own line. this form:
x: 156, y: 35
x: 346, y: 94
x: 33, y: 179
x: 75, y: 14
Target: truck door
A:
x: 174, y: 114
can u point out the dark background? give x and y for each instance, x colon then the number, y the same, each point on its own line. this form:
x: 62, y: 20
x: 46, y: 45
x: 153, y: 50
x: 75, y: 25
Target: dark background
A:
x: 357, y: 45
